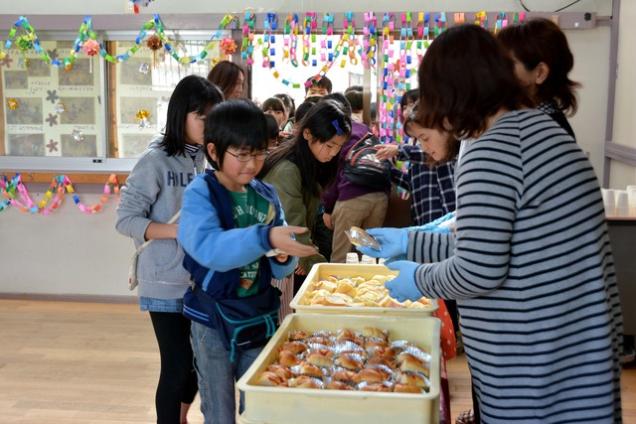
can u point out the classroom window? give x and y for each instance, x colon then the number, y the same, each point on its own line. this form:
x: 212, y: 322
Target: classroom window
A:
x: 49, y: 111
x: 142, y: 88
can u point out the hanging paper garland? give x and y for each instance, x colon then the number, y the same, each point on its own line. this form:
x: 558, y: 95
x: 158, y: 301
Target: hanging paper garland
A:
x: 370, y: 40
x: 501, y: 22
x: 86, y: 36
x: 247, y: 46
x: 16, y: 194
x: 135, y: 4
x: 387, y: 99
x: 481, y: 19
x: 349, y: 25
x: 326, y: 44
x: 309, y: 39
x: 290, y: 39
x: 269, y: 52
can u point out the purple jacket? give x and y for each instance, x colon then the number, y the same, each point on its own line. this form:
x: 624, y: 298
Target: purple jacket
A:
x: 342, y: 189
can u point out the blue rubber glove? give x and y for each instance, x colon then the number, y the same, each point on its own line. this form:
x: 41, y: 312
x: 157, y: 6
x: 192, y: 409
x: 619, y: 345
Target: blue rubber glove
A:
x: 393, y: 242
x: 403, y: 286
x: 434, y: 226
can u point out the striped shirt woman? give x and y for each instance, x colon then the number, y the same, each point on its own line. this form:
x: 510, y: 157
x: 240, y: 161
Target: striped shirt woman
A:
x: 533, y: 275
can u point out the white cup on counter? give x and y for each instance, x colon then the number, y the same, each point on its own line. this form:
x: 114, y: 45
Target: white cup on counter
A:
x: 609, y: 201
x: 352, y: 258
x: 622, y: 203
x: 368, y: 260
x: 631, y: 198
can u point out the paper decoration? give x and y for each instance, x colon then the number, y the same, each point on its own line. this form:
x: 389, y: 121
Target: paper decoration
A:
x: 13, y: 104
x: 15, y: 193
x: 143, y: 117
x: 247, y: 46
x: 137, y: 4
x: 78, y: 135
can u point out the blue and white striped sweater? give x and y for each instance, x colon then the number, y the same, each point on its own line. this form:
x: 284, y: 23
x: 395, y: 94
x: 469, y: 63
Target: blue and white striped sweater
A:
x: 533, y: 274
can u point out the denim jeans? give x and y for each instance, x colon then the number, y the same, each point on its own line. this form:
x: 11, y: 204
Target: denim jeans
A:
x: 217, y: 375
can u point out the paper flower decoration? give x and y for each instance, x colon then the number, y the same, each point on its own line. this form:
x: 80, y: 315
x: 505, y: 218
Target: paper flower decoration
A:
x: 143, y: 116
x: 144, y: 68
x: 228, y: 46
x: 91, y: 47
x: 13, y: 104
x: 154, y: 43
x: 78, y: 135
x: 25, y: 42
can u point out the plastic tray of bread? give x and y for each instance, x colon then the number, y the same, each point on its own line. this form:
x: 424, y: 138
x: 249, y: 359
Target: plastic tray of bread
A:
x: 296, y: 378
x: 354, y: 289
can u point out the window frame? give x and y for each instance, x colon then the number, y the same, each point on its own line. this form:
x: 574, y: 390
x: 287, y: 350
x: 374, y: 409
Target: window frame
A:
x: 98, y: 164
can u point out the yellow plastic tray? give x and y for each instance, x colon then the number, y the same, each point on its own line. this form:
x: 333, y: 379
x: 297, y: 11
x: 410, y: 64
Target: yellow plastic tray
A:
x: 324, y: 270
x: 280, y: 405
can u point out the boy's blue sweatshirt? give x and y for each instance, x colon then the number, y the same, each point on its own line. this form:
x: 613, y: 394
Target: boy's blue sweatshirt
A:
x: 215, y: 250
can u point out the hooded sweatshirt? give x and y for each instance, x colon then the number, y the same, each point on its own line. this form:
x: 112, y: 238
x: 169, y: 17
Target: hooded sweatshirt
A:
x: 153, y: 193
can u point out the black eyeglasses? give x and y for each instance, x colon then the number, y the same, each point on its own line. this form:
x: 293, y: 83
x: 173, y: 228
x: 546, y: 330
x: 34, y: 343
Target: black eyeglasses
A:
x: 246, y: 157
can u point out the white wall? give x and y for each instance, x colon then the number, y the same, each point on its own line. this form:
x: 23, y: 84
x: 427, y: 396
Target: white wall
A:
x: 64, y: 253
x: 82, y: 7
x: 71, y: 253
x: 622, y: 175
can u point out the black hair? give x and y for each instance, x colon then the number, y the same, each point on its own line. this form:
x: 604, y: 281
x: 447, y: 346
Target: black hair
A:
x: 304, y: 107
x: 225, y: 75
x: 235, y: 123
x: 273, y: 103
x: 355, y: 99
x: 324, y: 121
x: 341, y: 100
x: 272, y: 127
x: 318, y: 81
x: 462, y: 102
x: 192, y: 94
x: 289, y: 103
x: 541, y: 40
x: 302, y: 110
x: 354, y: 88
x: 409, y: 97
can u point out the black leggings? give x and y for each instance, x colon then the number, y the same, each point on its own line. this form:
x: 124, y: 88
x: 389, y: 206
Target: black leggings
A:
x: 178, y: 379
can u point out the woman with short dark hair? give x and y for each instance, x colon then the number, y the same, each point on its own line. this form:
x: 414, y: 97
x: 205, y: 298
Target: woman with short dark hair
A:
x: 543, y: 60
x: 230, y: 78
x: 529, y: 261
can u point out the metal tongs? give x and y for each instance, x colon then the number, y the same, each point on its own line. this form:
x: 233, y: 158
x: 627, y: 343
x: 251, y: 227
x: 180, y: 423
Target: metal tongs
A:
x: 358, y: 237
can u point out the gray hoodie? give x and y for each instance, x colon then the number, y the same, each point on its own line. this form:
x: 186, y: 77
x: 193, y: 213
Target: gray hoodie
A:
x: 153, y: 192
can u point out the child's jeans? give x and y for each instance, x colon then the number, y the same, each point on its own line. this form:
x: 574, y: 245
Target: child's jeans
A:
x: 217, y: 375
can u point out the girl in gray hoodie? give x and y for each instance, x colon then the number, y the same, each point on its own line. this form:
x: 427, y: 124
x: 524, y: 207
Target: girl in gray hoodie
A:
x: 151, y: 197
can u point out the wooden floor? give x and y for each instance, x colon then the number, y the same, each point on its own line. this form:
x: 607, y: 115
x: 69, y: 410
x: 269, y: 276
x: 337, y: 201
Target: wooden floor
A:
x: 90, y: 363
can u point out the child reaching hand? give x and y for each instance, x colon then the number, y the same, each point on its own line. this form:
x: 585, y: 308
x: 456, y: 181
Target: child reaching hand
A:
x: 233, y: 231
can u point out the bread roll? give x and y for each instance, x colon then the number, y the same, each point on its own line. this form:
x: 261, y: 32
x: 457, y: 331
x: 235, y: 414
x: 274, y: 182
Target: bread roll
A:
x: 350, y: 361
x: 320, y: 358
x: 371, y: 375
x: 305, y: 382
x: 268, y: 378
x: 281, y: 371
x: 298, y: 335
x: 409, y: 362
x: 412, y: 379
x: 294, y: 347
x: 287, y: 358
x: 338, y: 385
x: 343, y: 375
